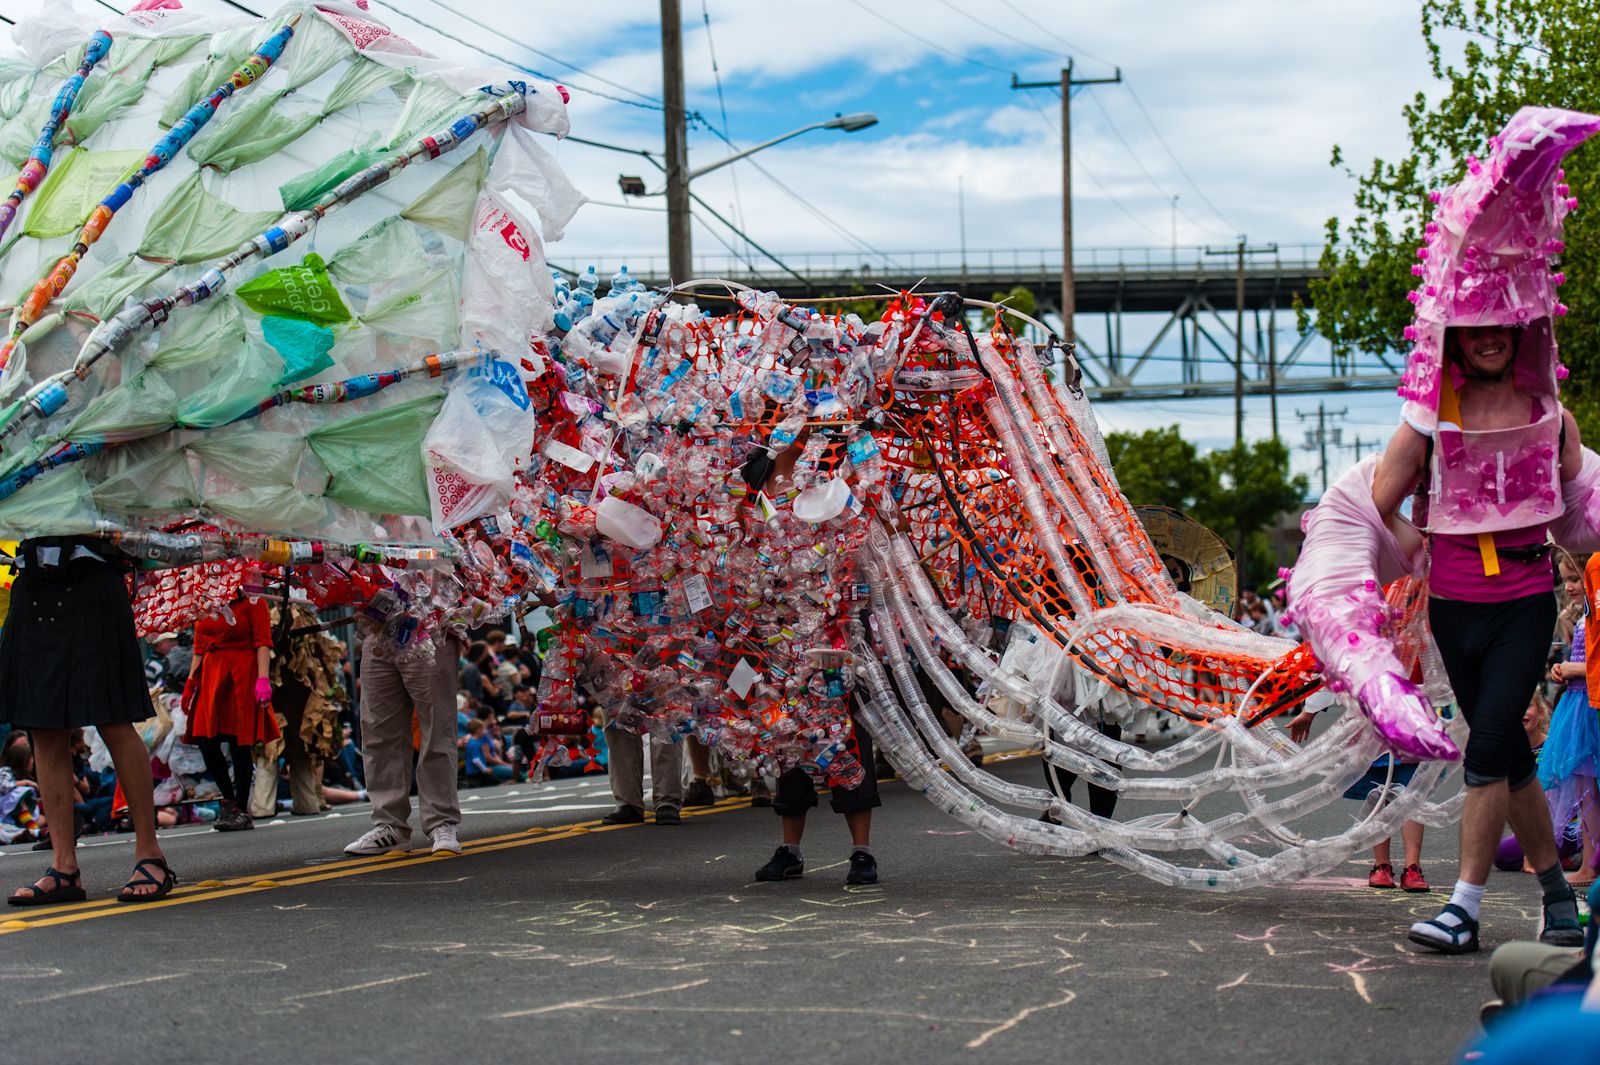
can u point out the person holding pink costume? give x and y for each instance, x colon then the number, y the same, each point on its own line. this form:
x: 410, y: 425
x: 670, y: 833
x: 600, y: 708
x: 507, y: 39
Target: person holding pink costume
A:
x: 1495, y: 469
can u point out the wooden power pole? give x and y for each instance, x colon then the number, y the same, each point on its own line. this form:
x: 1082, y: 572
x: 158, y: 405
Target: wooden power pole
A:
x: 1069, y: 298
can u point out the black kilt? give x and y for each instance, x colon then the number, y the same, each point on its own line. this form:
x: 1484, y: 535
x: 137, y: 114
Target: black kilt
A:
x: 68, y: 653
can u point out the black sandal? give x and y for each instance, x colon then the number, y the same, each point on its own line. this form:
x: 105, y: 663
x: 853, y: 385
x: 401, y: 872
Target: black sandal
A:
x: 141, y: 877
x: 68, y: 888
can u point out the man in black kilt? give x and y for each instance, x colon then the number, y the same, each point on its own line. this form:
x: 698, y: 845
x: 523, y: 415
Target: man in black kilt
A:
x: 69, y: 658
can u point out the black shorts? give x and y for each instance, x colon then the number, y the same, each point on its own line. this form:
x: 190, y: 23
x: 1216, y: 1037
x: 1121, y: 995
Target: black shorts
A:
x: 796, y: 793
x: 1495, y: 655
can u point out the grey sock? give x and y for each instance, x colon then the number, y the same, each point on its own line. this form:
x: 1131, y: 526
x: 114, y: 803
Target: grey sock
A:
x: 794, y: 849
x: 862, y: 847
x: 1560, y: 904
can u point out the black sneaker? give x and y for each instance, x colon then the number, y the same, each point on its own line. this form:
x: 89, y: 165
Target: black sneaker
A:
x: 232, y: 819
x: 624, y: 815
x: 784, y: 866
x: 760, y: 794
x: 699, y: 794
x: 863, y: 868
x: 668, y: 815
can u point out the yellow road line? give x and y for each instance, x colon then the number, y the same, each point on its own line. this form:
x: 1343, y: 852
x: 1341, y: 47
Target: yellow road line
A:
x: 207, y: 890
x: 258, y: 882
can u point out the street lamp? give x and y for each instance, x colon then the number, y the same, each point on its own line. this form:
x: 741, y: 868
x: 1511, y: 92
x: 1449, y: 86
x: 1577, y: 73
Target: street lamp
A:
x: 634, y: 186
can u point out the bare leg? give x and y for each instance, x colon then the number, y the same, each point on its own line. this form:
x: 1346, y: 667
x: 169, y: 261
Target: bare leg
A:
x: 1411, y: 835
x: 1529, y: 813
x: 699, y: 758
x: 1380, y: 853
x: 132, y: 759
x: 1482, y: 818
x: 52, y: 758
x: 860, y: 824
x: 1589, y: 806
x: 794, y: 826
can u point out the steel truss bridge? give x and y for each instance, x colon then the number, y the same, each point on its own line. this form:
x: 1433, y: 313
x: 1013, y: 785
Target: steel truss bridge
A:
x: 1186, y: 293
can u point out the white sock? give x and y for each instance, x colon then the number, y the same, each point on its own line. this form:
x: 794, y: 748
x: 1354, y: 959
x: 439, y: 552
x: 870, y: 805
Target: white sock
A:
x: 794, y: 849
x: 1469, y: 897
x: 862, y: 847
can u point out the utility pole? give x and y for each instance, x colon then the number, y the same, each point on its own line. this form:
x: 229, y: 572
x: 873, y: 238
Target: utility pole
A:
x: 1069, y: 298
x: 1239, y: 251
x: 679, y: 247
x: 1319, y: 438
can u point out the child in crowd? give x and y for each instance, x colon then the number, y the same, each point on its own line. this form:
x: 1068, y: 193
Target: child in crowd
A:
x: 1508, y: 857
x: 1385, y: 773
x: 1570, y: 758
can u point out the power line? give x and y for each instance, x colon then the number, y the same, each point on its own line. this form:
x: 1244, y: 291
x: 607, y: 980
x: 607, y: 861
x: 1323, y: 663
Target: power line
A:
x: 812, y: 209
x: 722, y: 106
x: 1175, y: 161
x: 103, y: 3
x: 996, y: 30
x: 1104, y: 191
x: 931, y: 44
x: 1165, y: 194
x: 554, y: 59
x: 518, y: 64
x: 1071, y: 48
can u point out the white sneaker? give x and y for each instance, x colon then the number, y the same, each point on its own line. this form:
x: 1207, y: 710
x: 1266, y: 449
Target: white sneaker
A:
x: 445, y: 839
x: 381, y: 840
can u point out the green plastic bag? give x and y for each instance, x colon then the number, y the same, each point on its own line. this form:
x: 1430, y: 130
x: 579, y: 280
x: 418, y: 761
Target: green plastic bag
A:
x: 361, y: 79
x: 303, y: 345
x: 374, y: 461
x: 141, y: 406
x: 304, y: 292
x: 449, y: 204
x: 160, y: 482
x: 308, y: 188
x: 429, y: 105
x: 240, y: 386
x: 77, y: 181
x: 114, y: 85
x: 428, y: 311
x: 270, y: 508
x: 193, y: 226
x: 201, y: 333
x: 250, y: 132
x: 57, y: 504
x: 390, y: 250
x: 250, y: 456
x: 104, y: 294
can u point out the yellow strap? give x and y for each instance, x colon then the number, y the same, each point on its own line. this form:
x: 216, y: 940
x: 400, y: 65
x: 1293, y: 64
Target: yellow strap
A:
x: 1450, y: 410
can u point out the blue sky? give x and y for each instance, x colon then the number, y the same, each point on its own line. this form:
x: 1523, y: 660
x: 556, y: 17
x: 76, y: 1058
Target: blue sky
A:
x: 1233, y: 106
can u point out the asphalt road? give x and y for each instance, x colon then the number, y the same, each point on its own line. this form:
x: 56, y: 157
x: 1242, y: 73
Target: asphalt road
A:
x: 558, y: 939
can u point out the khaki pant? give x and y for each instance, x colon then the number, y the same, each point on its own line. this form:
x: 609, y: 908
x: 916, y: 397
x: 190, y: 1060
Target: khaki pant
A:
x: 1517, y: 970
x: 625, y: 765
x: 389, y: 690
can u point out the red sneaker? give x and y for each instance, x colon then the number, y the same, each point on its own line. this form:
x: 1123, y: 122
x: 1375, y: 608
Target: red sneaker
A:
x: 1413, y: 880
x: 1381, y: 876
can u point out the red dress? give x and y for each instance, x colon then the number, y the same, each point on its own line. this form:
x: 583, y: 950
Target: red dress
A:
x: 222, y: 695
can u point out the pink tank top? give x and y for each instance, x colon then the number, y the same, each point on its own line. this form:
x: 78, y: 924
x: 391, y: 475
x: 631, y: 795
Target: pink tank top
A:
x: 1456, y: 567
x: 1456, y: 571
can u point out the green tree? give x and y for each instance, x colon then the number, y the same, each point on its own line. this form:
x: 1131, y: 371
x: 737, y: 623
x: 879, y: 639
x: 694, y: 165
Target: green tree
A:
x: 1232, y: 491
x: 1020, y: 298
x: 1158, y: 466
x: 1515, y: 52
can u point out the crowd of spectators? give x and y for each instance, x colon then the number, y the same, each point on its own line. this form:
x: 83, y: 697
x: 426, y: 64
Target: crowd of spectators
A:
x: 495, y: 700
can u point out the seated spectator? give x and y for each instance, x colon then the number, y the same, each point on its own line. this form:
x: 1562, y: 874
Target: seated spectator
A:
x: 1521, y: 972
x: 521, y: 708
x: 484, y: 767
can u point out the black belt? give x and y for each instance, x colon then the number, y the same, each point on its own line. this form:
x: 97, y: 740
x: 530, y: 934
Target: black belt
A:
x: 1527, y: 553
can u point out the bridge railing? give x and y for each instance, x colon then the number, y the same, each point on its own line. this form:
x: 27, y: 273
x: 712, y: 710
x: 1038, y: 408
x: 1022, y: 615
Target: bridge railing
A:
x: 973, y: 262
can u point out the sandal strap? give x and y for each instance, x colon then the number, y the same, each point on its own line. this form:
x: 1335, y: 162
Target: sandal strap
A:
x: 141, y: 875
x: 60, y: 880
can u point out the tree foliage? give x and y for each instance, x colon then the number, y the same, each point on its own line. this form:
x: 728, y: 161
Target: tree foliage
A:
x: 1492, y: 56
x: 1232, y: 491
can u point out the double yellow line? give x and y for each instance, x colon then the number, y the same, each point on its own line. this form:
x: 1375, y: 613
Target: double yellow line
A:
x: 208, y: 890
x: 20, y: 919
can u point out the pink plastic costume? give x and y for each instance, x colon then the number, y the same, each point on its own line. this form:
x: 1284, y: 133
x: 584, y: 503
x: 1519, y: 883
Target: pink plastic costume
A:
x: 1487, y: 260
